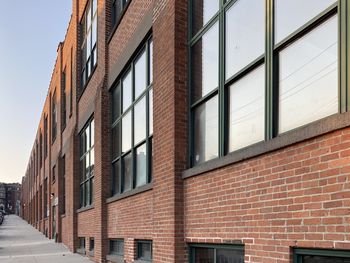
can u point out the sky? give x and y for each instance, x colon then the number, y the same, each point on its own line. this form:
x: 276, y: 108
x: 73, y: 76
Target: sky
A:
x: 29, y: 35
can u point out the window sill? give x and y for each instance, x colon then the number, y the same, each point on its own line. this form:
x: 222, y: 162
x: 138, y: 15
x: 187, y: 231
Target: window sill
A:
x: 320, y: 127
x: 132, y: 192
x: 142, y: 261
x: 115, y: 258
x: 85, y: 208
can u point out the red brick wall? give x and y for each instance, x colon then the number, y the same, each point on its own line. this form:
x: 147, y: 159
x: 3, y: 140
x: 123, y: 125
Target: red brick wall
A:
x: 297, y: 196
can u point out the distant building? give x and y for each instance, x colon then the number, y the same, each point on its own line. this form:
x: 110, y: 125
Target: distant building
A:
x: 10, y: 196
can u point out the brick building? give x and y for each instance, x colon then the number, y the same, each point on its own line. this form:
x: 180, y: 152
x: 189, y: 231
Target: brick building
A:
x: 10, y: 197
x: 197, y: 131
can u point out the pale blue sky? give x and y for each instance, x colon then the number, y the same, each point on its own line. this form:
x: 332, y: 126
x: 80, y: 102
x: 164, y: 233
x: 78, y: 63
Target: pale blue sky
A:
x: 29, y: 35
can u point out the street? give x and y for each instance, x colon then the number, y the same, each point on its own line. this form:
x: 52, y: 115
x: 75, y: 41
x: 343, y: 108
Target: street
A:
x: 21, y: 243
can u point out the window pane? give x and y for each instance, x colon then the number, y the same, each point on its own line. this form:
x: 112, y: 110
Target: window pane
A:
x: 126, y: 132
x: 87, y: 166
x: 127, y: 88
x: 202, y: 12
x: 92, y: 161
x: 205, y: 63
x: 116, y: 147
x: 92, y: 135
x: 87, y: 193
x: 140, y: 121
x: 141, y: 159
x: 229, y: 255
x: 291, y: 15
x: 323, y: 259
x: 88, y: 17
x: 116, y: 178
x: 94, y: 31
x: 247, y: 110
x: 150, y: 62
x: 116, y: 102
x: 127, y: 172
x: 244, y: 43
x: 145, y: 250
x: 206, y: 131
x: 94, y: 10
x: 204, y: 255
x: 151, y: 112
x: 92, y: 190
x: 140, y: 74
x: 308, y: 80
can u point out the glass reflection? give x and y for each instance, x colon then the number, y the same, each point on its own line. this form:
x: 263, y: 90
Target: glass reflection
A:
x: 309, y: 77
x: 126, y: 132
x: 291, y: 15
x: 127, y: 89
x: 202, y: 12
x: 206, y: 125
x: 141, y: 160
x: 140, y: 74
x: 127, y: 172
x: 247, y: 110
x: 140, y: 121
x: 205, y: 63
x: 245, y: 34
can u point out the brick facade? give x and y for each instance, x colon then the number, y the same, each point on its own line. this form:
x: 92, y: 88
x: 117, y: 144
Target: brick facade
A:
x: 292, y: 195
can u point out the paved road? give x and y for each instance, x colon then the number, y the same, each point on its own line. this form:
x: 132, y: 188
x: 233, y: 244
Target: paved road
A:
x: 21, y: 243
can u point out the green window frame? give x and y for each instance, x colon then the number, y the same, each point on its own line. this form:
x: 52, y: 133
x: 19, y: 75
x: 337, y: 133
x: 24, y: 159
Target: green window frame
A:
x: 120, y: 113
x: 140, y: 253
x: 88, y: 50
x: 87, y: 163
x: 270, y: 60
x: 214, y: 248
x: 116, y: 247
x: 299, y: 254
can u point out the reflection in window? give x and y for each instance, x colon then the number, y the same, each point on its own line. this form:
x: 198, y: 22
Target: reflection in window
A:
x: 247, y: 110
x: 217, y: 254
x: 244, y: 43
x: 89, y: 36
x: 202, y: 12
x: 144, y: 250
x: 308, y: 81
x: 291, y: 15
x: 87, y: 160
x: 206, y: 131
x: 132, y: 127
x: 205, y: 63
x: 118, y: 7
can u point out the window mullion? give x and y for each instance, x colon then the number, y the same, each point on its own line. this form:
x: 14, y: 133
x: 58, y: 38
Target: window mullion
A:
x: 343, y: 37
x: 221, y: 90
x: 270, y: 121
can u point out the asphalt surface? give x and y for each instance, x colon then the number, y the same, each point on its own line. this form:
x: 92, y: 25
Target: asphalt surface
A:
x: 21, y: 243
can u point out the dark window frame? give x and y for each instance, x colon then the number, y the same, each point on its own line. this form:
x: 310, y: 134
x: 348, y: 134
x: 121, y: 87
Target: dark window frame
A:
x: 64, y: 100
x: 117, y: 253
x: 53, y: 117
x: 270, y: 60
x: 148, y: 141
x: 193, y: 246
x: 89, y: 61
x: 87, y: 180
x: 63, y: 165
x: 139, y: 250
x: 298, y: 253
x: 45, y: 136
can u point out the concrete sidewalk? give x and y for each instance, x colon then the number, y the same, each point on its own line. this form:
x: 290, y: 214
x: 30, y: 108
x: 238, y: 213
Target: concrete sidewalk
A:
x: 21, y: 243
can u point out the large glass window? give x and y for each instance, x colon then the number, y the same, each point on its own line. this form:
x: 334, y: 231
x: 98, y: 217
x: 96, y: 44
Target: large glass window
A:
x: 118, y: 7
x: 308, y: 79
x: 53, y: 117
x: 216, y: 253
x: 87, y: 164
x: 132, y: 124
x: 257, y: 71
x: 89, y: 44
x: 303, y: 255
